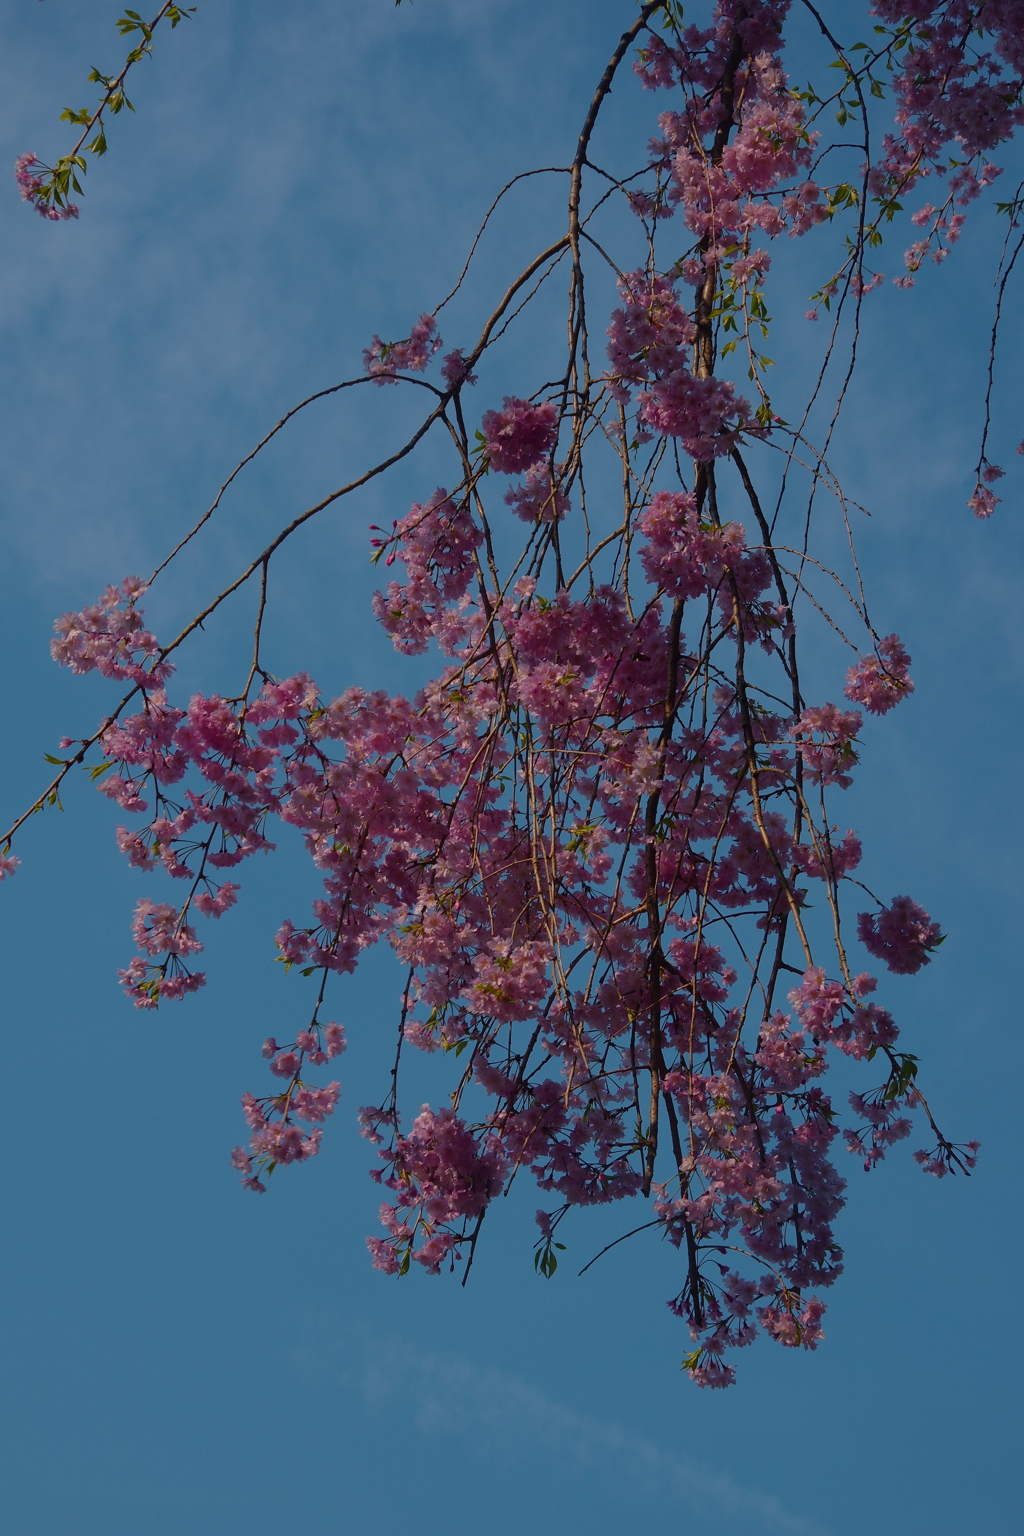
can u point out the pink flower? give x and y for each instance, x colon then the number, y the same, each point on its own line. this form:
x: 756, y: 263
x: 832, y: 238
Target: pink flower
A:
x: 650, y: 342
x: 827, y: 859
x: 817, y: 1000
x: 34, y: 190
x: 509, y: 981
x: 983, y: 503
x: 285, y: 1065
x: 216, y: 903
x: 683, y: 555
x: 879, y: 682
x: 384, y: 1254
x: 440, y: 1169
x: 315, y: 1103
x: 902, y: 934
x: 519, y: 435
x: 109, y: 637
x: 454, y: 370
x: 384, y: 358
x: 436, y: 543
x: 158, y: 928
x: 540, y: 500
x: 651, y: 335
x: 947, y: 1158
x: 705, y: 414
x: 334, y: 1039
x: 793, y: 1325
x: 826, y: 761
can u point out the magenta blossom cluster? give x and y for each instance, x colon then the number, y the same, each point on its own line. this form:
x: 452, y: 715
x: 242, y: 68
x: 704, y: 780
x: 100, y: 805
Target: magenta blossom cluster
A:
x: 420, y: 816
x: 383, y: 359
x: 982, y: 501
x: 590, y: 836
x: 880, y: 681
x: 441, y: 1174
x: 756, y: 182
x: 951, y: 95
x: 109, y: 637
x: 277, y: 1120
x: 540, y: 498
x: 437, y: 544
x: 520, y: 435
x: 826, y: 735
x: 33, y: 189
x: 902, y: 934
x: 650, y: 346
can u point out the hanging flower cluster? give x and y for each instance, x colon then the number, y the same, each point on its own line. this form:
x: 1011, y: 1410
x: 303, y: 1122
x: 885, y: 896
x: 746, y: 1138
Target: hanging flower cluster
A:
x: 589, y: 840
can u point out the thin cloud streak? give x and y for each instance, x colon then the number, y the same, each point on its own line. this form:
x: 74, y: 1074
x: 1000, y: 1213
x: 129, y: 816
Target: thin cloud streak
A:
x: 446, y: 1396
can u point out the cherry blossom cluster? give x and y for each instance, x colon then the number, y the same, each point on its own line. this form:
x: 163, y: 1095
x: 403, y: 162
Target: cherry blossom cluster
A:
x: 751, y: 175
x: 650, y: 342
x: 590, y: 838
x: 108, y: 638
x: 543, y: 966
x: 277, y: 1120
x: 383, y: 359
x: 950, y: 92
x: 33, y: 189
x: 902, y: 934
x: 880, y: 681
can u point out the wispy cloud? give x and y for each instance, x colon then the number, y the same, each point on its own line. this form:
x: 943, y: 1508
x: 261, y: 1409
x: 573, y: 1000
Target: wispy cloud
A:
x: 444, y: 1396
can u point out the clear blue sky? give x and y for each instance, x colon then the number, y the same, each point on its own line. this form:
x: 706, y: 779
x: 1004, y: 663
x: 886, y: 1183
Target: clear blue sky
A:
x: 179, y: 1357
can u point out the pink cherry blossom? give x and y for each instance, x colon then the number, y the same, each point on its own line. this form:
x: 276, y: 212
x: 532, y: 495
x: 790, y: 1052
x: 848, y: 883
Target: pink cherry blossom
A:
x: 902, y: 934
x: 520, y: 435
x: 539, y: 499
x: 598, y: 831
x: 881, y: 681
x: 32, y: 185
x: 382, y: 360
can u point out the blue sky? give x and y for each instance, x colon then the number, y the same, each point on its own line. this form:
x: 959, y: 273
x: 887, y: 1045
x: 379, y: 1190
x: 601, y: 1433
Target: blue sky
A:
x: 178, y: 1356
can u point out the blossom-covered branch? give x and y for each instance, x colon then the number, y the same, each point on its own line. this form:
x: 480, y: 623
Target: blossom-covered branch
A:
x: 48, y: 188
x: 591, y: 838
